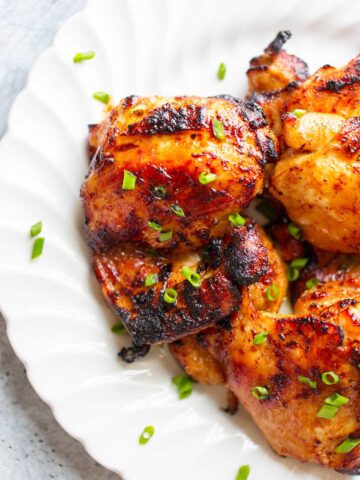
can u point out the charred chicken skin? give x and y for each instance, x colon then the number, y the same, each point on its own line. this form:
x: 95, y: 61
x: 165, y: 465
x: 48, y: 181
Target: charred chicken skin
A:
x: 193, y: 164
x: 301, y: 384
x: 318, y: 120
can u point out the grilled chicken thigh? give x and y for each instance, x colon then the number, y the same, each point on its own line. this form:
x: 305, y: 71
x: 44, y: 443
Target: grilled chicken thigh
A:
x: 317, y: 178
x: 266, y: 294
x: 164, y: 192
x: 301, y: 384
x: 189, y: 163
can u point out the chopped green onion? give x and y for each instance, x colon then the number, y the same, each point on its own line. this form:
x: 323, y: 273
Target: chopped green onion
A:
x: 294, y: 231
x: 155, y: 225
x: 236, y: 219
x: 178, y: 211
x: 307, y: 381
x: 268, y: 211
x: 293, y: 271
x: 129, y: 180
x: 348, y: 445
x: 337, y: 400
x: 260, y: 338
x: 330, y: 378
x: 118, y: 328
x: 260, y: 392
x: 165, y: 236
x: 243, y: 473
x: 138, y: 108
x: 151, y: 280
x: 221, y: 71
x: 206, y: 177
x: 160, y: 191
x: 170, y: 295
x: 102, y: 97
x: 81, y: 56
x: 327, y: 411
x: 36, y: 229
x: 193, y: 277
x: 218, y: 129
x: 298, y: 112
x: 147, y: 433
x: 37, y: 247
x: 184, y: 385
x: 272, y: 293
x: 299, y: 263
x: 311, y: 283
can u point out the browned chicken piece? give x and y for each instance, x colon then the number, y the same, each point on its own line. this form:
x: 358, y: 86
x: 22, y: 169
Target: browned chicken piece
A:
x: 301, y: 384
x: 205, y: 294
x: 266, y: 294
x: 318, y: 176
x: 272, y: 76
x: 169, y: 171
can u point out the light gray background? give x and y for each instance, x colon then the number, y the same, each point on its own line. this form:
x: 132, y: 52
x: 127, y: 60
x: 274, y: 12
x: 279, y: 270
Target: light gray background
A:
x: 32, y: 445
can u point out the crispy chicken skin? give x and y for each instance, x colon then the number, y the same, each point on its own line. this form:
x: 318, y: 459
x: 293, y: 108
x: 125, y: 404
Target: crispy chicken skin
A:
x: 193, y: 355
x: 239, y: 258
x: 272, y: 76
x: 168, y: 143
x: 322, y: 336
x: 318, y: 176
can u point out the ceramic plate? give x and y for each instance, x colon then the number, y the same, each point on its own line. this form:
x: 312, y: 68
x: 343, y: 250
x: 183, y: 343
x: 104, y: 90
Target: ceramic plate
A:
x: 58, y: 322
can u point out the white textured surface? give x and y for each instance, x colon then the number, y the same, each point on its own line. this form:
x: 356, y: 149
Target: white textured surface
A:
x: 57, y: 321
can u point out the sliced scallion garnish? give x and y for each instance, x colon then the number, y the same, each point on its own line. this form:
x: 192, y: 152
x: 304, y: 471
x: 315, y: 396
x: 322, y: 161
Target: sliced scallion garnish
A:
x: 236, y: 219
x: 259, y: 392
x: 330, y: 378
x: 348, y: 445
x: 337, y: 400
x: 165, y: 235
x: 207, y: 177
x: 272, y: 293
x: 294, y: 231
x: 260, y: 338
x: 311, y: 283
x: 37, y: 247
x: 178, y: 211
x: 192, y: 276
x: 151, y: 280
x: 307, y: 381
x: 102, y: 97
x: 154, y: 225
x: 146, y: 434
x: 218, y: 129
x: 81, y: 56
x: 184, y: 385
x: 221, y: 71
x: 170, y: 295
x: 327, y: 411
x: 129, y: 180
x: 36, y: 229
x: 118, y: 328
x: 243, y: 473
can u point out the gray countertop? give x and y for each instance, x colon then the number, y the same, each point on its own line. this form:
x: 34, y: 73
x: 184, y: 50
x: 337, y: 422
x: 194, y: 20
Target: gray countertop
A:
x: 32, y: 445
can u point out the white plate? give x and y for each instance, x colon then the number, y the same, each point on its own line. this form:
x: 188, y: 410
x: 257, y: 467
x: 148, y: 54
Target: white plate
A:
x: 57, y: 320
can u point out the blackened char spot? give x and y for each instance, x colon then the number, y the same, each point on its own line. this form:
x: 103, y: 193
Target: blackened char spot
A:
x: 130, y: 354
x: 212, y: 254
x: 276, y: 45
x: 129, y: 101
x: 253, y: 114
x: 267, y: 147
x: 335, y: 86
x: 169, y: 119
x: 246, y: 258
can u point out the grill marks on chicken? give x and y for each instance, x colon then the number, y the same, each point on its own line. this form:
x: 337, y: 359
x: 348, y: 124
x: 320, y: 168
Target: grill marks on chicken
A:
x: 168, y: 143
x: 322, y: 336
x: 122, y: 272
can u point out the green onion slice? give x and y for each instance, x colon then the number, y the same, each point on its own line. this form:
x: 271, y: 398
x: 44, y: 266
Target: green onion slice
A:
x: 311, y: 283
x: 139, y: 108
x: 207, y: 177
x: 170, y: 295
x: 221, y: 71
x: 293, y: 271
x: 165, y: 235
x: 330, y: 378
x: 307, y: 381
x: 218, y: 129
x: 37, y: 247
x: 102, y: 97
x: 160, y: 191
x: 36, y: 229
x: 260, y: 338
x: 260, y: 392
x: 154, y: 225
x: 327, y: 411
x: 118, y: 328
x: 348, y: 445
x: 243, y: 473
x: 298, y: 112
x: 184, y: 385
x: 337, y: 400
x: 81, y: 56
x: 272, y: 293
x: 294, y: 231
x: 146, y: 434
x: 299, y: 263
x: 178, y: 211
x: 236, y: 219
x: 151, y: 279
x: 191, y: 276
x: 129, y: 180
